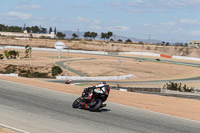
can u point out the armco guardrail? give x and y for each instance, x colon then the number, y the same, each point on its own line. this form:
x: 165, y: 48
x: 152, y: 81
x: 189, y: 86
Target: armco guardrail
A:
x: 96, y: 78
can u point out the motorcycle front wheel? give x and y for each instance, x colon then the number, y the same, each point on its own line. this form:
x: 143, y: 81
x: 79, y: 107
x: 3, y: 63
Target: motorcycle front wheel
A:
x: 76, y: 103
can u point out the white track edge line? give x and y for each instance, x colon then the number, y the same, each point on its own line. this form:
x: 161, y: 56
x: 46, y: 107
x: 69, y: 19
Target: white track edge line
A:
x: 12, y: 128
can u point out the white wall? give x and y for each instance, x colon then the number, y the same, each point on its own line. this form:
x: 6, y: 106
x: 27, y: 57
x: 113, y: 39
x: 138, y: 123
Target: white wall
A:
x: 96, y: 78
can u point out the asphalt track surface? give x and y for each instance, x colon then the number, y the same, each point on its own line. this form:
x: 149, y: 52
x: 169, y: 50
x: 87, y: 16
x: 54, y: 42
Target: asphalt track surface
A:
x: 40, y: 110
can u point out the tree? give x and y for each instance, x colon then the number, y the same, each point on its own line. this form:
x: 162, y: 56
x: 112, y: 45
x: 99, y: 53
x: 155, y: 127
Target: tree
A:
x: 163, y: 43
x: 55, y: 31
x: 74, y: 36
x: 103, y: 35
x: 28, y: 29
x: 111, y: 40
x: 87, y: 34
x: 106, y: 35
x: 110, y: 34
x: 43, y: 30
x: 128, y: 41
x: 93, y: 35
x: 50, y: 30
x: 60, y: 35
x: 35, y: 29
x: 120, y: 40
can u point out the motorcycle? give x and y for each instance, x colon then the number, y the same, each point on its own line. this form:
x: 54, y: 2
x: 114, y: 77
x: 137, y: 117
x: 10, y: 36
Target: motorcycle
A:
x: 90, y: 100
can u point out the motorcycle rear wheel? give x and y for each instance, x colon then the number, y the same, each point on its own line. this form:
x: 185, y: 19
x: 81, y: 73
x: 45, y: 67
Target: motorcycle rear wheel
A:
x: 96, y: 106
x: 76, y: 103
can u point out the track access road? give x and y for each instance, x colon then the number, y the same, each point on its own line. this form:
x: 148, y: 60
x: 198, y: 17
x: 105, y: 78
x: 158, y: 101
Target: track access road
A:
x: 42, y: 110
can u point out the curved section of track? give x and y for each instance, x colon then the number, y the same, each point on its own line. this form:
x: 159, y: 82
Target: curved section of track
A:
x: 192, y: 79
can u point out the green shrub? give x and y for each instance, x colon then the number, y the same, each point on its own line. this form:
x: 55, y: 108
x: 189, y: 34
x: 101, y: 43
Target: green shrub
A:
x: 178, y: 87
x: 1, y: 56
x: 56, y: 70
x: 11, y: 54
x: 30, y: 74
x: 6, y: 54
x: 10, y: 69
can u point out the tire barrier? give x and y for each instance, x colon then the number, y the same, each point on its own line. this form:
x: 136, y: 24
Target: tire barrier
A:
x: 96, y: 78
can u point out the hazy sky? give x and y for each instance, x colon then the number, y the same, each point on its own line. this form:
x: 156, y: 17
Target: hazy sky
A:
x: 167, y: 20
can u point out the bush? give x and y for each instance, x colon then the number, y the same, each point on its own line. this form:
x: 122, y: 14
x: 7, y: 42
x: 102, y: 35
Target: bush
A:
x: 178, y: 87
x: 11, y: 54
x: 56, y: 70
x: 6, y: 54
x: 1, y: 56
x: 30, y: 74
x: 10, y: 69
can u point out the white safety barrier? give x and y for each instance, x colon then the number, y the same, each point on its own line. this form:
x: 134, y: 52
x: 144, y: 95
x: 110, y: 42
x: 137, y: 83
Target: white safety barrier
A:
x: 65, y: 50
x: 186, y: 58
x: 1, y: 47
x: 141, y: 53
x: 11, y: 74
x: 96, y: 78
x: 102, y: 53
x: 125, y: 90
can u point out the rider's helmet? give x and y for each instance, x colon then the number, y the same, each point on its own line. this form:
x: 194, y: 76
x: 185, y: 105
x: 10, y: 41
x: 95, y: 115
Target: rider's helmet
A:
x: 103, y: 82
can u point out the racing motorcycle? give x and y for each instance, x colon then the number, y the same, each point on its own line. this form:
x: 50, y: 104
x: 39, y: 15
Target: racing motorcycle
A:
x: 90, y: 100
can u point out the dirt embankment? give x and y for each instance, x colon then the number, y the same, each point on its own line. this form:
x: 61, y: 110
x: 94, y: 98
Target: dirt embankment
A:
x: 104, y: 46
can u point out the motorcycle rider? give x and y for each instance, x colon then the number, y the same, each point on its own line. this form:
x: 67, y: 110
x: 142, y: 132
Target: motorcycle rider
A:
x: 103, y: 91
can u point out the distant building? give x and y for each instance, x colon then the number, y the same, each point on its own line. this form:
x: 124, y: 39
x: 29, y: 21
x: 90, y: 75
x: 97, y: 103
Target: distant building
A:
x: 27, y: 35
x: 194, y: 44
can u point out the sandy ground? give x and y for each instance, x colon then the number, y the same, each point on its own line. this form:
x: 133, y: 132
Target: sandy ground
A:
x: 6, y: 130
x: 186, y: 108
